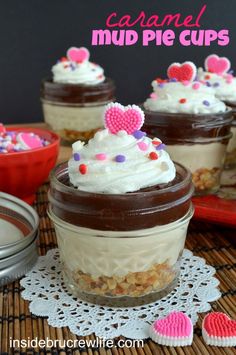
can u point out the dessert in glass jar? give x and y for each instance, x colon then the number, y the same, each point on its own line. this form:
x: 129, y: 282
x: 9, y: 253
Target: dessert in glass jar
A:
x: 193, y: 122
x: 74, y: 99
x: 121, y: 209
x: 219, y: 77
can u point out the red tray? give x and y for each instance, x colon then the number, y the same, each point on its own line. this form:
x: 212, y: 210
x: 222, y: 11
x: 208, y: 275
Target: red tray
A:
x: 221, y: 208
x: 215, y: 209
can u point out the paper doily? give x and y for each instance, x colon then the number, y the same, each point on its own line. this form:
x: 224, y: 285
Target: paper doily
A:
x: 43, y: 288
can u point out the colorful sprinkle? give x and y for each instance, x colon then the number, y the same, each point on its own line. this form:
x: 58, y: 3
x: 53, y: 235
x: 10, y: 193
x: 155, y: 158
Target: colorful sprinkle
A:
x: 139, y: 134
x: 173, y: 80
x: 76, y: 156
x: 159, y: 80
x: 208, y: 84
x: 185, y: 82
x: 153, y: 95
x: 83, y: 169
x: 161, y: 85
x: 72, y: 66
x: 216, y: 85
x: 120, y: 158
x: 64, y: 59
x: 153, y: 156
x: 206, y: 103
x: 229, y: 80
x: 156, y: 142
x: 101, y: 156
x: 207, y: 77
x: 161, y: 146
x: 182, y: 101
x: 142, y: 146
x: 196, y: 86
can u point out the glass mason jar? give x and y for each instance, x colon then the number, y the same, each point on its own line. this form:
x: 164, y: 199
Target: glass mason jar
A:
x: 75, y: 111
x: 197, y: 141
x: 125, y: 249
x: 230, y: 160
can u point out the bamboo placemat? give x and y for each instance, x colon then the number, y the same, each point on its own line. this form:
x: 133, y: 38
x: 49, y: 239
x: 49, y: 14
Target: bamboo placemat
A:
x: 205, y: 240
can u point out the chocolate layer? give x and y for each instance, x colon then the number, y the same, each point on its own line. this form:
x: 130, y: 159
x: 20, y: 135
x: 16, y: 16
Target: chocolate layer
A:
x: 157, y: 205
x: 77, y: 93
x: 179, y: 128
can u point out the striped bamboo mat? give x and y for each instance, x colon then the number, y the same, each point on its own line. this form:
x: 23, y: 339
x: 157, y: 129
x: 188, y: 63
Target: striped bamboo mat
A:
x: 213, y: 243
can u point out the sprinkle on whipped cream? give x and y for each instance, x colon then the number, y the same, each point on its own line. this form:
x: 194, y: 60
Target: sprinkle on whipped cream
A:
x: 121, y: 162
x: 76, y: 68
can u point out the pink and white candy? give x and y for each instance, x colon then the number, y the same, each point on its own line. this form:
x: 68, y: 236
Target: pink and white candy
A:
x: 29, y: 140
x: 123, y: 118
x: 176, y: 329
x: 78, y: 55
x: 182, y: 72
x: 219, y: 330
x: 218, y: 65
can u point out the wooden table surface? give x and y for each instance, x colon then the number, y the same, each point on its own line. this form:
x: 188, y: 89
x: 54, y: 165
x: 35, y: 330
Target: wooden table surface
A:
x: 212, y: 242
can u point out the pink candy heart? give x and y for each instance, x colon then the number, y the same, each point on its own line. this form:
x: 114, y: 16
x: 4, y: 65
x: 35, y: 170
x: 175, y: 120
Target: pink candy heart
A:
x: 218, y: 329
x: 176, y: 329
x: 176, y: 324
x: 78, y: 55
x: 216, y: 64
x: 29, y: 140
x: 182, y: 72
x: 119, y: 118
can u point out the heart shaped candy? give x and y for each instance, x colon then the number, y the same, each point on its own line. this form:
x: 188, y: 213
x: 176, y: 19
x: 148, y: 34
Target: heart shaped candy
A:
x: 176, y: 329
x: 120, y: 118
x: 182, y: 72
x: 29, y: 140
x: 78, y: 55
x: 219, y: 330
x: 216, y: 64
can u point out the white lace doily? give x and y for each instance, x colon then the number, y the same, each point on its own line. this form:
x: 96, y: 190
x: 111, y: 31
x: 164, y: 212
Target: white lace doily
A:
x: 43, y: 288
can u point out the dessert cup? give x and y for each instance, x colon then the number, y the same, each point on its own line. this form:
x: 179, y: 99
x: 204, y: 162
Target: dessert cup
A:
x: 75, y: 111
x: 121, y: 249
x: 198, y: 141
x: 230, y: 159
x: 221, y: 79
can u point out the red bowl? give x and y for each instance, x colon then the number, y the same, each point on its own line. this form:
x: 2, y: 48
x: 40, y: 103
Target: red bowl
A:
x: 22, y: 173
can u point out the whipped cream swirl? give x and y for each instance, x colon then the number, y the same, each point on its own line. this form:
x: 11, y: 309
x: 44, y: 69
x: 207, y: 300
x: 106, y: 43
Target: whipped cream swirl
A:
x: 119, y: 163
x: 70, y: 72
x: 223, y: 85
x: 183, y: 97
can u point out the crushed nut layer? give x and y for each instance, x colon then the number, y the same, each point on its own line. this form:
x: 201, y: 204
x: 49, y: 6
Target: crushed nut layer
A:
x: 206, y: 179
x: 132, y: 284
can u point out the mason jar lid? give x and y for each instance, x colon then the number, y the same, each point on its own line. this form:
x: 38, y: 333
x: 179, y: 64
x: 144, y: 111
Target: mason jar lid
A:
x: 18, y: 225
x: 17, y: 265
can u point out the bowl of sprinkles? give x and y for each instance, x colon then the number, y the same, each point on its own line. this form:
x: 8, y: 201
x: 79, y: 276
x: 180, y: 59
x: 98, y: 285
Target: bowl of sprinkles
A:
x: 27, y: 156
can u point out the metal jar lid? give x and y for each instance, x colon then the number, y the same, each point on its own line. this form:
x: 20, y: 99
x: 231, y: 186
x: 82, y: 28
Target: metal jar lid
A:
x: 18, y: 234
x: 18, y: 264
x: 18, y: 225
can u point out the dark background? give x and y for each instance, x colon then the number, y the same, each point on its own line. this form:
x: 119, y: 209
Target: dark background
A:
x: 35, y: 33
